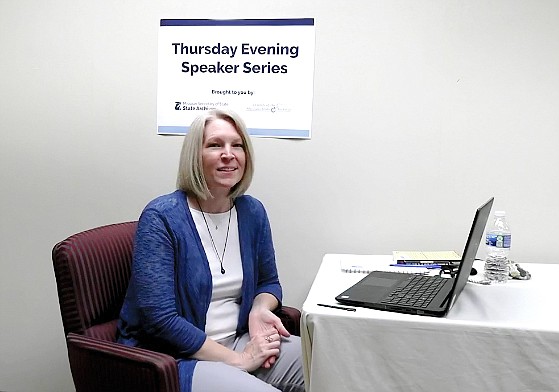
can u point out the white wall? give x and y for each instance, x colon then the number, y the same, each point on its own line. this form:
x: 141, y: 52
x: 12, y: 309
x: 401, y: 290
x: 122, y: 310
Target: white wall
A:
x: 413, y: 103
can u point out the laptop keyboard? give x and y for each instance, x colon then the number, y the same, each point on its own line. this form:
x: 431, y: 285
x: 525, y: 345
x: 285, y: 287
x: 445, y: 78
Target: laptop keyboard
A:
x: 418, y: 290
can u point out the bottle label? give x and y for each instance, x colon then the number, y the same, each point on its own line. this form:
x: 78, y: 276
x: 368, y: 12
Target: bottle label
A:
x: 498, y: 240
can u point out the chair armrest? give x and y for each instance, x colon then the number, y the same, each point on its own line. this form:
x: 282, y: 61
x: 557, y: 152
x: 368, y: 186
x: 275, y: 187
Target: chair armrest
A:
x: 99, y: 365
x: 291, y: 319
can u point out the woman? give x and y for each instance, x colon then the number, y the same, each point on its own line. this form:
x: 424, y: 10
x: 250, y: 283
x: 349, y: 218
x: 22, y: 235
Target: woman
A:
x: 204, y: 279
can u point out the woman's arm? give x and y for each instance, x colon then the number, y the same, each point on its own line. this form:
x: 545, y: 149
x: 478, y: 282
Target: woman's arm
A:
x: 262, y: 322
x: 256, y: 352
x: 153, y: 277
x: 261, y: 318
x: 265, y: 301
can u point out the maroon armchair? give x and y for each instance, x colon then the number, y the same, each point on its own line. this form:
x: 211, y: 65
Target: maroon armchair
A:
x: 92, y: 270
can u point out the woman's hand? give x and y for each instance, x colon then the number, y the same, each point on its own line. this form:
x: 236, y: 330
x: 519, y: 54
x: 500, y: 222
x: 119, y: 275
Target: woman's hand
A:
x: 258, y: 352
x: 262, y: 322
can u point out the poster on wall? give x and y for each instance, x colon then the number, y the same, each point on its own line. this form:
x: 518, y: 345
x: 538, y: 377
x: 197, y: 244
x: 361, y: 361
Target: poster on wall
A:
x: 261, y: 68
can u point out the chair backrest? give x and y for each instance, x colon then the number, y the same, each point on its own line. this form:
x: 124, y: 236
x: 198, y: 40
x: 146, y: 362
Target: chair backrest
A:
x: 92, y: 271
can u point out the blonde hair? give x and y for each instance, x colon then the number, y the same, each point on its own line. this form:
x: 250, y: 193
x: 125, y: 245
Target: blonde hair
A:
x: 190, y: 176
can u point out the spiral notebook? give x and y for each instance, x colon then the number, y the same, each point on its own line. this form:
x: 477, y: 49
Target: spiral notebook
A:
x: 364, y: 265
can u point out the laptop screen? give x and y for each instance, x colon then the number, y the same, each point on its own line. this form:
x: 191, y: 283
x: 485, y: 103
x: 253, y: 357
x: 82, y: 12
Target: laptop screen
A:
x: 471, y: 248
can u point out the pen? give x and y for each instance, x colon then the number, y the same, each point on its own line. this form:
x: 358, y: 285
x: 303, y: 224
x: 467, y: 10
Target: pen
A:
x: 428, y: 266
x: 338, y: 307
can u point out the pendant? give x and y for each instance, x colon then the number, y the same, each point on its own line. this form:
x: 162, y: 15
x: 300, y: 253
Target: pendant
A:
x: 222, y: 270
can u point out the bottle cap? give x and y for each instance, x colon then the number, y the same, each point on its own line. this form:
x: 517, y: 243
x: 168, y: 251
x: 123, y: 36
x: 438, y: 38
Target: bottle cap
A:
x: 500, y: 213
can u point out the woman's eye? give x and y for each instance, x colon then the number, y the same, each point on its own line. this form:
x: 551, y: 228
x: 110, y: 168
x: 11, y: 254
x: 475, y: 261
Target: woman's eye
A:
x: 213, y: 145
x: 238, y: 145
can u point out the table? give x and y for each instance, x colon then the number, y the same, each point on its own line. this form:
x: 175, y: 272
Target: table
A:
x: 502, y: 337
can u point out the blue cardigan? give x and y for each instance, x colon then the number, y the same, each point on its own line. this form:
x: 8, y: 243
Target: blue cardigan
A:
x: 171, y: 285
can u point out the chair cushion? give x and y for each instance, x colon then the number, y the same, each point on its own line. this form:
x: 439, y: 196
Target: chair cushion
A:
x: 104, y: 331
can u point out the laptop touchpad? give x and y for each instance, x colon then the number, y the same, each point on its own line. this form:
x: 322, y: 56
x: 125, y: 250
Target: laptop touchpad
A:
x: 381, y: 282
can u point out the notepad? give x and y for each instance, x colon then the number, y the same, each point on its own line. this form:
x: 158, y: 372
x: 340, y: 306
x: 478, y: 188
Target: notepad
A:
x: 364, y: 266
x: 407, y: 255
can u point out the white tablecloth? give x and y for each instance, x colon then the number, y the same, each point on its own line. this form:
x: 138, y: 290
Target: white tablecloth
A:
x: 495, y: 338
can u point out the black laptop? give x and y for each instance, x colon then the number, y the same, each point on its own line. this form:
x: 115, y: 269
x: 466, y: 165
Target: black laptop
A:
x: 416, y: 293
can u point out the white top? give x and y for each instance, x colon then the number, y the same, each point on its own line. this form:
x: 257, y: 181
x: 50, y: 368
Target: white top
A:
x: 223, y: 313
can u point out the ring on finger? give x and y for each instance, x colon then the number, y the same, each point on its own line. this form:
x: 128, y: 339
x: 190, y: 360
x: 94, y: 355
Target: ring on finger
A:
x: 269, y: 339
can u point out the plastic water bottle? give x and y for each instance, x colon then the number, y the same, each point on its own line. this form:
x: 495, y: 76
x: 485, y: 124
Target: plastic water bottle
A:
x: 497, y: 239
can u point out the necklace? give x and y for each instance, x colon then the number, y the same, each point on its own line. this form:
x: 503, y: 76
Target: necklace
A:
x: 212, y: 238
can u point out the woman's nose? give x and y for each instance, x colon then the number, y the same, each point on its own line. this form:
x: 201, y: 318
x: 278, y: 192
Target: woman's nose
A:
x: 227, y: 152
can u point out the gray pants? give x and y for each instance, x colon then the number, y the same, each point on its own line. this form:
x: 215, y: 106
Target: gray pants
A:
x: 286, y: 374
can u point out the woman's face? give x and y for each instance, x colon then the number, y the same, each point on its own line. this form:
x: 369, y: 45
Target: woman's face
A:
x: 223, y: 156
